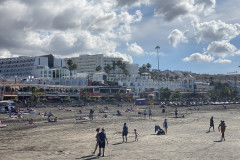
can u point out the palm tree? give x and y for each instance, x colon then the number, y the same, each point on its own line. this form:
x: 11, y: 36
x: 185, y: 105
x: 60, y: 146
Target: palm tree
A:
x: 71, y: 66
x: 98, y: 68
x: 148, y: 66
x: 107, y: 68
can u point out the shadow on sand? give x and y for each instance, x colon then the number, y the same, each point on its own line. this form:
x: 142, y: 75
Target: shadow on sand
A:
x: 123, y: 142
x: 89, y: 157
x: 208, y: 132
x: 218, y: 141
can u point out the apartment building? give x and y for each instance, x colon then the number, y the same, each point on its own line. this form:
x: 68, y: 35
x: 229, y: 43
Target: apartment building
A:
x: 23, y: 67
x: 88, y: 63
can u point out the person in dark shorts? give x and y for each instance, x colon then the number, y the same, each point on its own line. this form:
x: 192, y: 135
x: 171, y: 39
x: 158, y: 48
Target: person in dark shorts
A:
x: 165, y: 125
x: 150, y: 112
x: 176, y: 112
x: 125, y: 132
x: 211, y: 123
x: 102, y: 138
x: 97, y: 130
x: 223, y: 126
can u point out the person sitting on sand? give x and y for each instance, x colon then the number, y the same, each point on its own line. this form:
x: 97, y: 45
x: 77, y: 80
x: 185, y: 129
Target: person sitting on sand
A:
x: 105, y: 115
x: 55, y: 119
x: 119, y: 113
x: 157, y: 127
x: 97, y: 139
x: 125, y: 132
x: 136, y: 134
x: 30, y: 121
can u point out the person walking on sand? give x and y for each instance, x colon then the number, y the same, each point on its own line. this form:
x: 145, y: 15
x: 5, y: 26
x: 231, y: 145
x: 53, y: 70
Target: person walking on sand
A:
x: 223, y: 126
x: 136, y: 134
x: 125, y: 132
x: 165, y: 126
x: 150, y: 113
x: 145, y: 113
x: 97, y: 130
x: 102, y: 138
x: 211, y: 123
x: 176, y: 112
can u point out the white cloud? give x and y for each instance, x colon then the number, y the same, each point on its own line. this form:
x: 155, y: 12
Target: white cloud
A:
x: 135, y: 48
x: 222, y: 61
x: 124, y: 56
x: 5, y: 53
x: 64, y: 27
x: 198, y: 57
x: 130, y: 3
x: 173, y: 9
x: 221, y: 49
x: 175, y: 37
x: 205, y: 5
x: 215, y: 31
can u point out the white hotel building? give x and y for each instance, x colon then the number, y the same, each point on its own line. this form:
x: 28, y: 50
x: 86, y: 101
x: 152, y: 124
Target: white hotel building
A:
x: 23, y: 67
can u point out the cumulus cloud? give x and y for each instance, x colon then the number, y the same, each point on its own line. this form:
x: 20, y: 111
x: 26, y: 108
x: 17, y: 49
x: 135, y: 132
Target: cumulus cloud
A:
x: 205, y: 5
x: 135, y: 48
x: 222, y: 61
x: 173, y: 9
x: 129, y: 3
x: 5, y: 53
x: 215, y: 31
x: 64, y: 27
x: 198, y: 57
x: 221, y: 49
x: 175, y: 37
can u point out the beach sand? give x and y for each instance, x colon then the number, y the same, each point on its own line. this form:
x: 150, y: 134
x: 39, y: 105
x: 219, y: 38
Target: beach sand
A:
x: 187, y: 138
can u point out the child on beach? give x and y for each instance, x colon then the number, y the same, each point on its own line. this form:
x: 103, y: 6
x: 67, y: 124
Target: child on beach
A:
x: 136, y: 134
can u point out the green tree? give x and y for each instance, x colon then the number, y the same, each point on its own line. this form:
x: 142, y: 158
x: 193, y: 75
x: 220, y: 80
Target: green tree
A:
x: 176, y: 95
x: 107, y: 68
x: 148, y: 66
x: 71, y: 66
x: 98, y: 68
x: 165, y: 94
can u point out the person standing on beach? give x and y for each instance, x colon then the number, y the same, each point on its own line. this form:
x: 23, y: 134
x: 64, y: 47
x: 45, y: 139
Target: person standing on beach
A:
x: 102, y: 138
x: 136, y: 134
x: 125, y: 132
x: 150, y: 112
x: 165, y: 126
x: 97, y: 130
x: 145, y: 113
x: 223, y: 126
x: 211, y: 123
x: 176, y: 112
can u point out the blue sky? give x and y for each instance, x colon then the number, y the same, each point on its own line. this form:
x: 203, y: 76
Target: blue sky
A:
x: 200, y: 36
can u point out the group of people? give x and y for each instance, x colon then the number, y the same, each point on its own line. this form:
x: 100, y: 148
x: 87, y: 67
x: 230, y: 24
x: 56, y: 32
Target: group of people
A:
x: 149, y: 113
x: 101, y: 139
x: 159, y: 130
x: 221, y: 127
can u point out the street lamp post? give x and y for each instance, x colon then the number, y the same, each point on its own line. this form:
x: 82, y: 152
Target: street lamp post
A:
x: 157, y: 48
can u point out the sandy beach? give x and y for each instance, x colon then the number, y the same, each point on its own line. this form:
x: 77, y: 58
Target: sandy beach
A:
x: 187, y: 138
